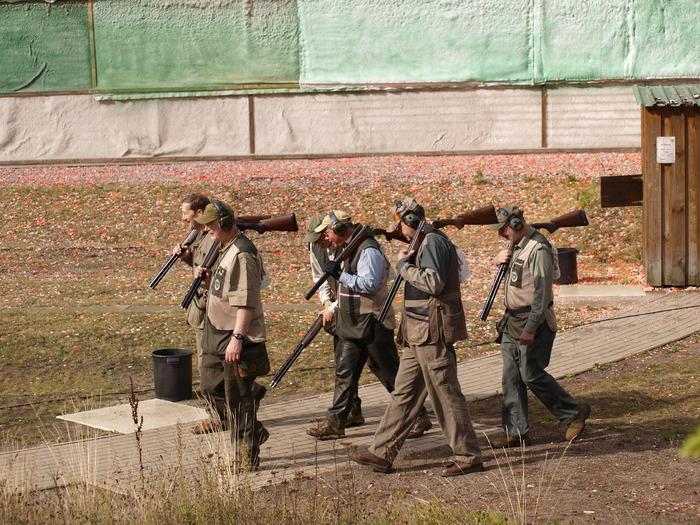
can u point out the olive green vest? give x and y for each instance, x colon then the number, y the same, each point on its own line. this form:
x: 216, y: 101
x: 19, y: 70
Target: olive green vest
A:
x: 356, y: 311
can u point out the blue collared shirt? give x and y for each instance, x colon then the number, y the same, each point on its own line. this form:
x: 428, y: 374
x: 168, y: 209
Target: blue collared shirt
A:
x: 370, y: 268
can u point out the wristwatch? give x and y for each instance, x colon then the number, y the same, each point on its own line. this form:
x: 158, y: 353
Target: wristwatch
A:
x: 238, y: 336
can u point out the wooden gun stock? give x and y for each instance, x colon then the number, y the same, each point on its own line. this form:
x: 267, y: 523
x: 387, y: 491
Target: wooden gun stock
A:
x: 573, y: 218
x: 280, y: 223
x: 209, y: 261
x: 347, y: 252
x: 394, y: 234
x: 251, y: 218
x: 485, y: 215
x: 306, y: 341
x: 166, y: 268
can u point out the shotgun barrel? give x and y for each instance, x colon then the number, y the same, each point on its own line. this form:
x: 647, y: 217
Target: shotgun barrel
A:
x: 209, y: 261
x: 494, y: 288
x: 166, y: 268
x: 417, y: 238
x: 306, y: 341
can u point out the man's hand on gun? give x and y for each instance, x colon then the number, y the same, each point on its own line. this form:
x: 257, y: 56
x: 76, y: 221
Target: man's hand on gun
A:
x: 204, y: 273
x: 181, y: 251
x: 333, y: 269
x: 503, y: 257
x: 405, y: 254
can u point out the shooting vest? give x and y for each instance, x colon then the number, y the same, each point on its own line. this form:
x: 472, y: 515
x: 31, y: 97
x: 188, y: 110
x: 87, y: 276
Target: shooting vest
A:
x: 520, y: 285
x: 429, y: 318
x: 220, y: 310
x: 356, y: 312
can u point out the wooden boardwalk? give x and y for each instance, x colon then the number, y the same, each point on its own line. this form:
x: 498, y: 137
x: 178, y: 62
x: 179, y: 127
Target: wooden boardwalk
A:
x: 121, y: 463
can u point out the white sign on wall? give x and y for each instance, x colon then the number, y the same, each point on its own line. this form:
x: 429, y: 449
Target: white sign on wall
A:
x: 665, y: 150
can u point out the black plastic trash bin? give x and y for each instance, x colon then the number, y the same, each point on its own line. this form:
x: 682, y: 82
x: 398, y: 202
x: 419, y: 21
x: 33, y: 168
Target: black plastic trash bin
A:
x: 567, y: 266
x: 172, y: 374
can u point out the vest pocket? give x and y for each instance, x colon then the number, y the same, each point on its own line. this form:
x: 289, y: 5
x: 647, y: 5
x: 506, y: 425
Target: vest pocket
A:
x: 417, y: 324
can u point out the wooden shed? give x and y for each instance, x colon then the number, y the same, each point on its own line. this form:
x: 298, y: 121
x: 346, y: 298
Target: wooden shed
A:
x: 670, y: 117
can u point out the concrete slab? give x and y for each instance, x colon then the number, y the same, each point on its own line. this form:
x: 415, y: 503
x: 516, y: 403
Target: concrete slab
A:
x: 601, y: 290
x: 156, y: 413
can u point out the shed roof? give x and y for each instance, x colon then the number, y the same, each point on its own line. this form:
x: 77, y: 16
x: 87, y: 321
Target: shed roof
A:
x: 667, y: 95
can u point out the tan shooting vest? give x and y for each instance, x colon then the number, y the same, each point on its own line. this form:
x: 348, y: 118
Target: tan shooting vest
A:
x: 520, y: 285
x: 223, y: 303
x: 426, y: 318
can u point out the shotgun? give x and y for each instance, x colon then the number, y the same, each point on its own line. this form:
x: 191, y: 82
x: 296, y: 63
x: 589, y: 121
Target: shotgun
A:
x: 267, y: 223
x: 209, y: 261
x: 306, y: 341
x: 494, y: 288
x: 188, y: 240
x: 485, y: 215
x: 574, y: 218
x: 415, y: 241
x: 347, y: 252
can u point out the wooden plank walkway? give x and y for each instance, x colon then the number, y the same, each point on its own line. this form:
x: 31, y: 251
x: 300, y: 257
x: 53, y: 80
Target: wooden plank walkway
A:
x: 113, y: 462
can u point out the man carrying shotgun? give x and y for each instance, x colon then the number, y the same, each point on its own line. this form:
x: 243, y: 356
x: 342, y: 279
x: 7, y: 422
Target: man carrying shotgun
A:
x: 362, y: 291
x: 432, y: 321
x: 527, y: 331
x: 234, y: 330
x: 192, y: 206
x: 321, y: 252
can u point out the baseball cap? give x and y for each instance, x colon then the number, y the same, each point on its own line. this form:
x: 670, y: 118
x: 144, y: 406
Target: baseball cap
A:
x: 406, y: 205
x: 328, y: 221
x: 503, y: 213
x: 211, y: 213
x: 311, y: 234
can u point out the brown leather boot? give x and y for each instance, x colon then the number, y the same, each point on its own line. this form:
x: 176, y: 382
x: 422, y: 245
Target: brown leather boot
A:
x: 578, y: 425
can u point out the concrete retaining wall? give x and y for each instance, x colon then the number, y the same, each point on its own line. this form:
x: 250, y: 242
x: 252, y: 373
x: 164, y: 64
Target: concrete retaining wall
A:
x: 80, y: 128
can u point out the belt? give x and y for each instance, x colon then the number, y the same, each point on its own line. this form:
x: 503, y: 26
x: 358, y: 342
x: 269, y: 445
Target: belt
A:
x: 524, y: 310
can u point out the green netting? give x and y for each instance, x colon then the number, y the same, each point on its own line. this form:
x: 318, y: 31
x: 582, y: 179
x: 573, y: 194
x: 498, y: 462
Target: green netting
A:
x: 44, y: 47
x: 182, y: 46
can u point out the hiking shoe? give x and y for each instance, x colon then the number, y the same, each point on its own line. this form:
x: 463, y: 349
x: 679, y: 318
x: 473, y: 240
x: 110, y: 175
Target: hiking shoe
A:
x: 420, y: 427
x: 369, y: 459
x: 354, y: 420
x: 207, y: 427
x: 458, y: 468
x: 578, y: 425
x: 511, y: 441
x: 325, y: 431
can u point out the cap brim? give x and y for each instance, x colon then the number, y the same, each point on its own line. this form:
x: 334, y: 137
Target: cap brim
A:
x: 311, y: 237
x: 497, y: 226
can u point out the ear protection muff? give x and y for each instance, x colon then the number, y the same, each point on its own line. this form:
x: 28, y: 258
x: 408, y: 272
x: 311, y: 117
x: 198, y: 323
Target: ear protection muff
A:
x: 515, y: 222
x: 225, y: 218
x: 408, y: 217
x: 339, y: 228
